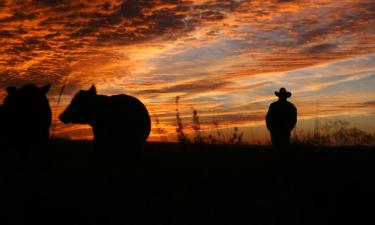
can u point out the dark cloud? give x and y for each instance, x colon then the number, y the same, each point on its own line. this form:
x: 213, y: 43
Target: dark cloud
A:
x: 233, y: 118
x: 357, y: 19
x: 42, y: 39
x: 369, y: 104
x: 49, y: 2
x: 6, y: 34
x: 286, y: 1
x: 320, y: 48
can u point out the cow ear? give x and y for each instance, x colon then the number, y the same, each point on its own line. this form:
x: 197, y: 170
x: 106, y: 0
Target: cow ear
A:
x: 11, y: 90
x: 92, y: 90
x: 45, y: 88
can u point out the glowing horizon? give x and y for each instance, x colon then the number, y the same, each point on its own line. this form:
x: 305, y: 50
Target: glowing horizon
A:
x: 223, y: 58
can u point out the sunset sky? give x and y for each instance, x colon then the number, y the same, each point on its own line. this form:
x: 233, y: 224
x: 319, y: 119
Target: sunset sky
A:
x: 224, y: 58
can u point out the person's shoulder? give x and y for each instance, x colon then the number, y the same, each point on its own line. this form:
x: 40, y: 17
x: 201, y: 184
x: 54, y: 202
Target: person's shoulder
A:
x: 274, y: 103
x: 272, y: 106
x: 291, y: 105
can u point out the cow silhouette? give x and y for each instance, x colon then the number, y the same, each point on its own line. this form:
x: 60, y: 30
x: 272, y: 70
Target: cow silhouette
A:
x: 281, y: 119
x: 118, y: 121
x: 25, y: 117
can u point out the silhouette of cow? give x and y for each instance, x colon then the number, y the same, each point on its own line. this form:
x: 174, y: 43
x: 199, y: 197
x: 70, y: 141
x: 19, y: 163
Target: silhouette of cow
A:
x: 25, y: 117
x: 117, y: 121
x: 281, y: 119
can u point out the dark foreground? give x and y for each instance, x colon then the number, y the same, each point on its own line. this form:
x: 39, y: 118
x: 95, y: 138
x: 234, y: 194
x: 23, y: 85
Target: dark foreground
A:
x: 194, y: 184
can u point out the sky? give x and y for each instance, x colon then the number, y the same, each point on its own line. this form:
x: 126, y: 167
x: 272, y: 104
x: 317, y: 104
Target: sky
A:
x: 222, y: 58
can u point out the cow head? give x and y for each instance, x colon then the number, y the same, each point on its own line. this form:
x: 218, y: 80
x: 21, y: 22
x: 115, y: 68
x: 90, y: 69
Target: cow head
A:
x: 28, y: 97
x: 81, y: 108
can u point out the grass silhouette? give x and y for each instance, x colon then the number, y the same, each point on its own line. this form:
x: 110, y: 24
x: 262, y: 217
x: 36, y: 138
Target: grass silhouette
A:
x: 199, y: 136
x: 333, y: 133
x: 190, y: 184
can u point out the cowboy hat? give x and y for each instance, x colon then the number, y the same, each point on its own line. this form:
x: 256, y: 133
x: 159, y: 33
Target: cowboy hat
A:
x: 283, y: 93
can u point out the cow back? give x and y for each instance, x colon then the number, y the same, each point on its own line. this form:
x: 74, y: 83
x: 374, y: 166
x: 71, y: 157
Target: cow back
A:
x: 120, y: 120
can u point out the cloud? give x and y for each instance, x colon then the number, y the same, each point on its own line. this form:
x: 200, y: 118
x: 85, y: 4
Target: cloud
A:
x: 320, y: 48
x: 60, y: 33
x: 68, y: 31
x: 189, y: 88
x: 369, y: 104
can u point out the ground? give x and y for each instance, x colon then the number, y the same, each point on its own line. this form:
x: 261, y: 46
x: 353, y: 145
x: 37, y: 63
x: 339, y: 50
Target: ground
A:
x: 171, y: 183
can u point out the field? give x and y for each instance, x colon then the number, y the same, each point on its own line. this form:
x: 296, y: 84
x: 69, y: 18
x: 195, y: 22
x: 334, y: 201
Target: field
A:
x: 172, y: 183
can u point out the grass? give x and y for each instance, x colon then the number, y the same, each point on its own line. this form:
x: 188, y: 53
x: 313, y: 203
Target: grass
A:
x: 173, y: 183
x: 218, y: 136
x: 334, y: 132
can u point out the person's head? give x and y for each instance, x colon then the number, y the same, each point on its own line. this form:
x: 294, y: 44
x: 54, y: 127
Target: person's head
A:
x: 283, y: 94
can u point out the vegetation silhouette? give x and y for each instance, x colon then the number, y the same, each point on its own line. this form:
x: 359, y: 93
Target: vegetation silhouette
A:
x: 335, y: 132
x: 204, y: 184
x: 281, y: 119
x: 25, y: 117
x: 199, y: 136
x: 117, y: 121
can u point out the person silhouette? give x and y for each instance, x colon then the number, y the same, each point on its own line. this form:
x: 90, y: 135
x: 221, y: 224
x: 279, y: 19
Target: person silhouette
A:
x: 281, y: 119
